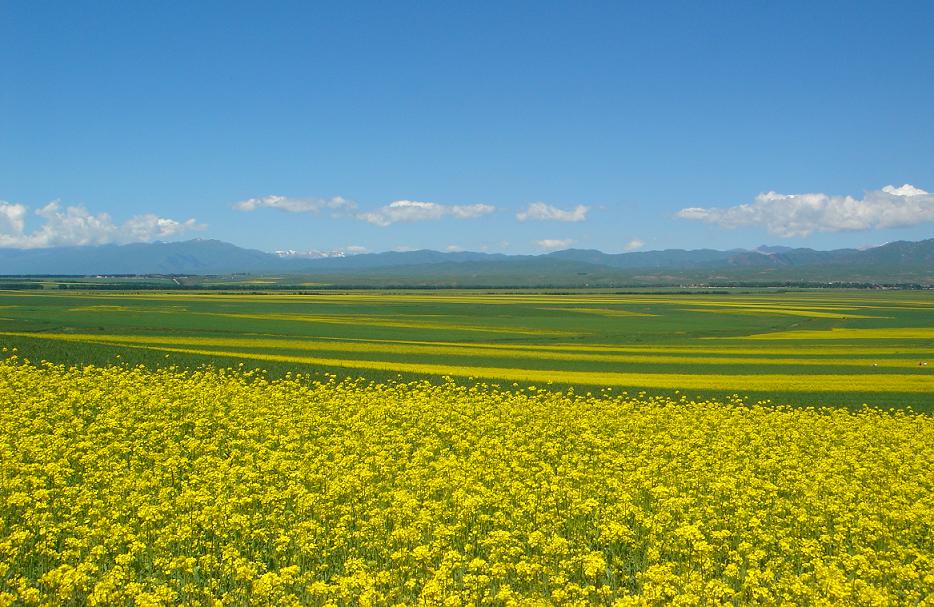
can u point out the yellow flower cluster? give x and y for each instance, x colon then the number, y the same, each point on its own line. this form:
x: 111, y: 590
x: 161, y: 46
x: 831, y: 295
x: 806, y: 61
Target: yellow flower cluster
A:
x: 128, y: 486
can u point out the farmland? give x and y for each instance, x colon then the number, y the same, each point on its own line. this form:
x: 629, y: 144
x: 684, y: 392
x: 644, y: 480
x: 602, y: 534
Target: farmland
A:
x: 805, y: 347
x: 128, y: 486
x: 466, y: 448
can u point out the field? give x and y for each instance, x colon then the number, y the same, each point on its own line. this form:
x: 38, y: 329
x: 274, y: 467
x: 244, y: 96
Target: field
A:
x: 806, y: 347
x: 466, y: 448
x: 126, y: 486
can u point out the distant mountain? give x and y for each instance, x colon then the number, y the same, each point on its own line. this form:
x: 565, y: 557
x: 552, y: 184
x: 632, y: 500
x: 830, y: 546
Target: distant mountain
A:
x: 767, y: 249
x: 897, y: 262
x: 190, y: 257
x: 391, y: 259
x: 669, y: 258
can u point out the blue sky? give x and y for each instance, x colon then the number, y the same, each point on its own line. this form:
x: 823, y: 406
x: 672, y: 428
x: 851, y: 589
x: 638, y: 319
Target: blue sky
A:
x: 512, y: 127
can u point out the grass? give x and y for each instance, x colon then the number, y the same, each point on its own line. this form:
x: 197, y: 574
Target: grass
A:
x: 807, y: 347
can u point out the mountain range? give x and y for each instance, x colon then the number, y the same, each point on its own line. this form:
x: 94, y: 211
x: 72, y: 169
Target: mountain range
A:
x: 892, y: 263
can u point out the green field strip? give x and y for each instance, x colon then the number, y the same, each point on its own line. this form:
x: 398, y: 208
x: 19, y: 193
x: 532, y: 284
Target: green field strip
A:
x: 748, y: 382
x: 926, y: 333
x: 719, y: 350
x: 105, y: 309
x: 371, y: 321
x: 837, y: 309
x: 781, y: 312
x: 412, y: 349
x: 627, y: 364
x: 599, y: 311
x: 387, y: 322
x: 707, y: 350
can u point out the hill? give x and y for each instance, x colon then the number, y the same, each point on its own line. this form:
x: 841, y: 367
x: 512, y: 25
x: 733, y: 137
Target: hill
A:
x: 894, y: 263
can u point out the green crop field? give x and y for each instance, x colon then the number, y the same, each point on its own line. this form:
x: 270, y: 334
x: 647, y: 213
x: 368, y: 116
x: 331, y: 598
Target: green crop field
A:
x: 800, y: 347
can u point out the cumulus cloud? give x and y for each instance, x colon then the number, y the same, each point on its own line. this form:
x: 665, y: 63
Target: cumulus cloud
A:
x: 398, y: 211
x: 554, y: 243
x: 356, y: 249
x: 75, y: 225
x: 634, y: 244
x: 413, y: 210
x: 791, y: 215
x: 12, y: 218
x: 296, y: 205
x: 539, y: 211
x: 152, y: 227
x: 469, y: 211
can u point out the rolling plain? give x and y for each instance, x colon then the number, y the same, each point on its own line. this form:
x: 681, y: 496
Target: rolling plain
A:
x: 799, y: 347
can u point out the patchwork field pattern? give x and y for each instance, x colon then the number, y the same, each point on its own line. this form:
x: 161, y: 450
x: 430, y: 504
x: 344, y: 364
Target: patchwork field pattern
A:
x: 839, y: 347
x: 129, y: 486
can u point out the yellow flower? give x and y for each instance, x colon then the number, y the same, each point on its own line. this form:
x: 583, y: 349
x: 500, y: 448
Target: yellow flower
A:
x: 127, y: 486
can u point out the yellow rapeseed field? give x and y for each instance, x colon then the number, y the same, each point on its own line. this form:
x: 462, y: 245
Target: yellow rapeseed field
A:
x: 126, y: 486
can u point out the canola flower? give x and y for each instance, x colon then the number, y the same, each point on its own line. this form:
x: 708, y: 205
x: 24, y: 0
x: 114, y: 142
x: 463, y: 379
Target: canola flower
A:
x: 128, y: 486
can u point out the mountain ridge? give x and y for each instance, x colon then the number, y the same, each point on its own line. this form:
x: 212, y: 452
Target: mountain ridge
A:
x: 904, y: 260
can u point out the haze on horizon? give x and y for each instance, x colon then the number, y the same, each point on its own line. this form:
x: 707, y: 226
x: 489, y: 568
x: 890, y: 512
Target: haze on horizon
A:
x: 517, y: 128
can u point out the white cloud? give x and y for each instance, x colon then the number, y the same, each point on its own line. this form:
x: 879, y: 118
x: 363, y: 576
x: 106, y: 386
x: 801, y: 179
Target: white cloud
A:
x: 453, y: 248
x: 634, y: 244
x: 539, y: 211
x: 12, y: 218
x: 74, y: 225
x: 905, y: 190
x: 554, y: 243
x: 356, y: 249
x: 790, y: 215
x: 296, y: 205
x: 413, y: 210
x: 470, y: 211
x: 152, y: 227
x: 394, y: 212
